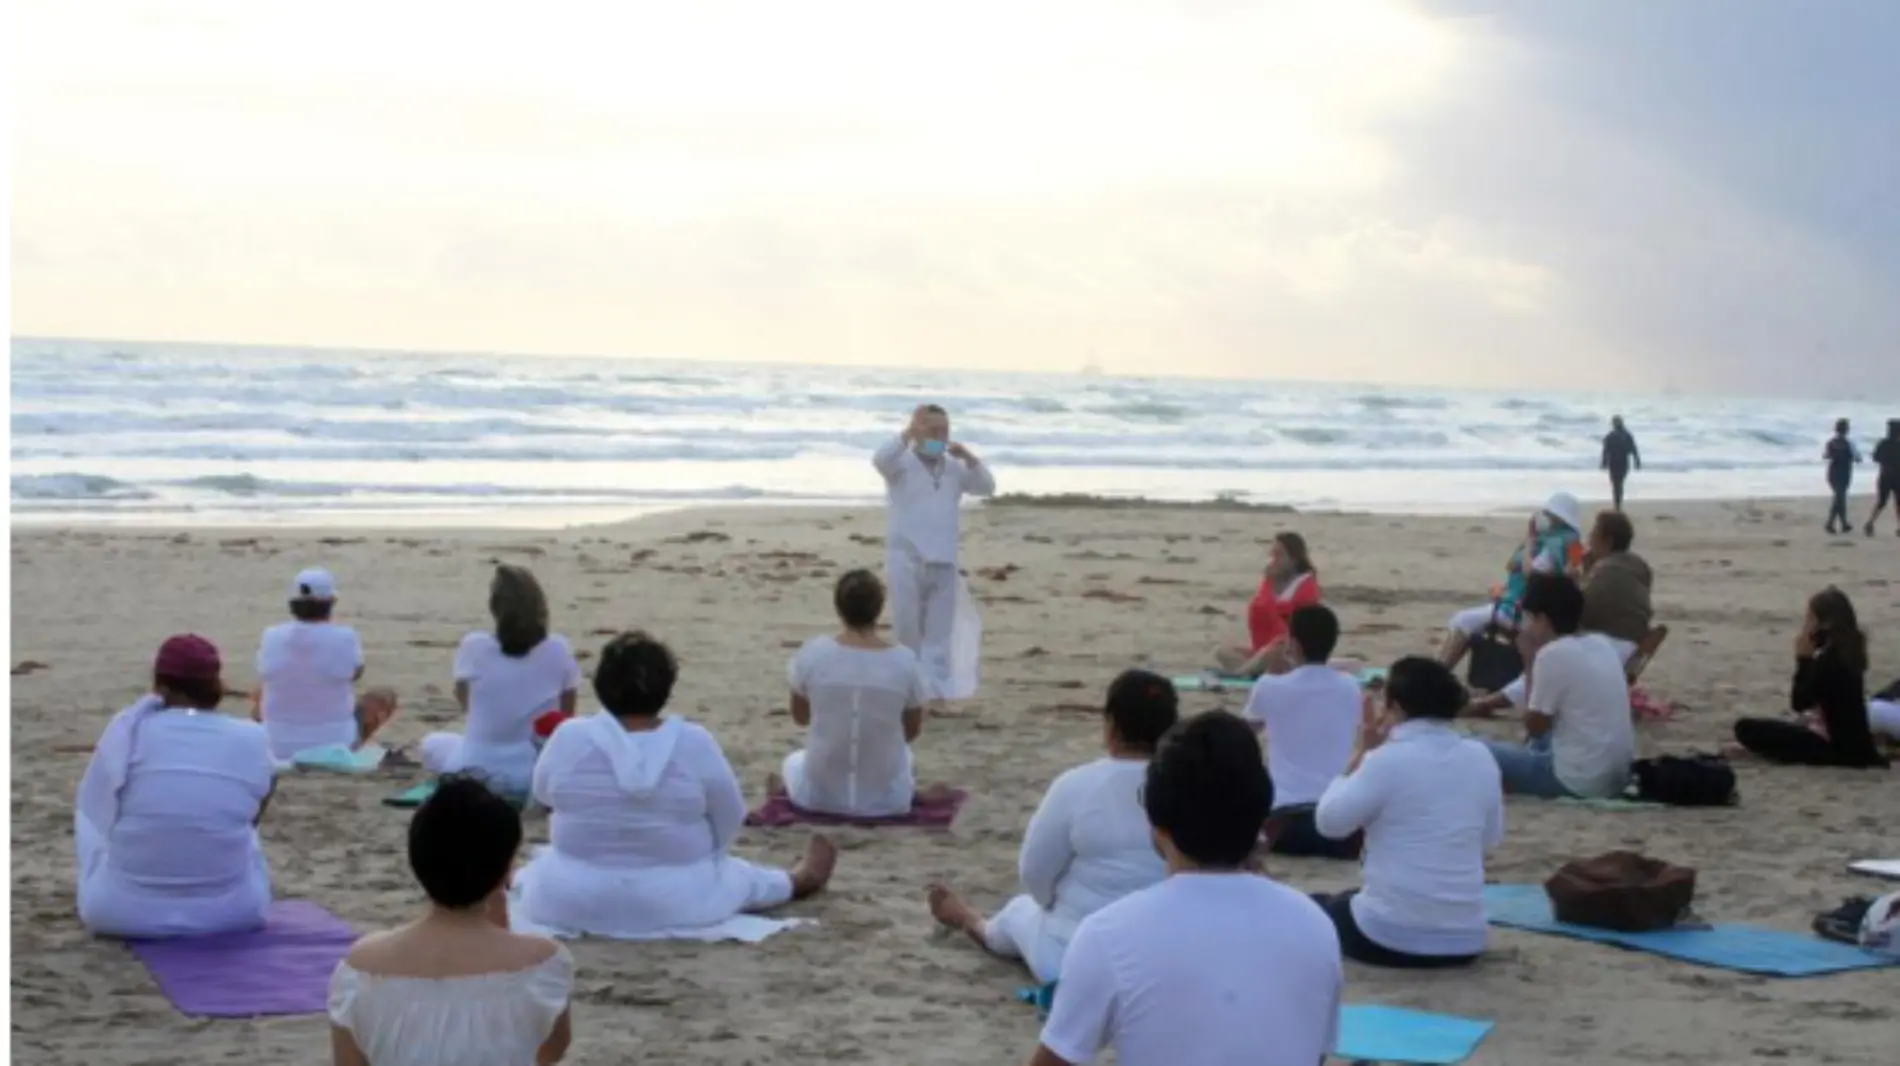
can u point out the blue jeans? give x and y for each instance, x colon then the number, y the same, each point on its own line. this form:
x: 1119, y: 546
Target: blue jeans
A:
x: 1528, y: 769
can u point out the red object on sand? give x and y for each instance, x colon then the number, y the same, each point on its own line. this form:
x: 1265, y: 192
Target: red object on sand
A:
x: 547, y: 722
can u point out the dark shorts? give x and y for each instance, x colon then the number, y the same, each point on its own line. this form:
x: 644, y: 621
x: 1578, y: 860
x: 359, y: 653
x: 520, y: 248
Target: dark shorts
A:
x: 1294, y: 833
x: 1357, y: 946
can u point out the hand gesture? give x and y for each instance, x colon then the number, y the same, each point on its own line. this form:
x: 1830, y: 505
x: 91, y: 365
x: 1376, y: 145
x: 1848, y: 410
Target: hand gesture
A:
x: 916, y: 416
x: 1374, y: 726
x: 959, y: 451
x: 1804, y: 646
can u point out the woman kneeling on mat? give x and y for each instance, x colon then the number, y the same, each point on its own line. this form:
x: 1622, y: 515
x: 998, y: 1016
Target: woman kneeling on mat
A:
x: 455, y: 985
x: 1089, y: 842
x: 1829, y: 692
x: 1431, y: 804
x: 167, y: 840
x: 645, y: 810
x: 863, y: 698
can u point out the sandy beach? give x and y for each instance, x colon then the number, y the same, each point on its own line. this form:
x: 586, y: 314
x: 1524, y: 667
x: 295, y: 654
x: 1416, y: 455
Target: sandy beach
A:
x: 1072, y: 595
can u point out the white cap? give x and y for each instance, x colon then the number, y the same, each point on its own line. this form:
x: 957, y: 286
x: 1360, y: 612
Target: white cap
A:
x: 1564, y: 506
x: 313, y: 584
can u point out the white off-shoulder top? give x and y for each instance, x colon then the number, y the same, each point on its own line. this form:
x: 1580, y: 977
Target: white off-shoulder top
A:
x: 490, y: 1019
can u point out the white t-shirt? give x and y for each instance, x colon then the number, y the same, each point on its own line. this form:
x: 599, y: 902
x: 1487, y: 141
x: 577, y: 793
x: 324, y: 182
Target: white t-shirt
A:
x: 1312, y: 722
x: 308, y: 670
x: 857, y: 761
x: 1579, y: 682
x: 1201, y: 970
x: 1089, y: 843
x: 923, y: 499
x: 506, y: 695
x: 1431, y: 803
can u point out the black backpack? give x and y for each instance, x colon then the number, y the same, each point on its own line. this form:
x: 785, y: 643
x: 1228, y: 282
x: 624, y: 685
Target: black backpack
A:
x: 1693, y: 780
x: 1495, y: 662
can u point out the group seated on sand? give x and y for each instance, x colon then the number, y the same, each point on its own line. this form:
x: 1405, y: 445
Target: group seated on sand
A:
x: 1141, y: 883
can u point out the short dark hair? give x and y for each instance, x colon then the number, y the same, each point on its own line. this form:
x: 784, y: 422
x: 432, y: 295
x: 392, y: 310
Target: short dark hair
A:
x: 1425, y: 688
x: 312, y: 610
x: 1207, y: 788
x: 462, y: 841
x: 934, y: 409
x: 635, y: 675
x: 1616, y: 528
x: 1555, y: 597
x: 1840, y: 425
x: 859, y: 598
x: 1143, y: 706
x: 1315, y: 628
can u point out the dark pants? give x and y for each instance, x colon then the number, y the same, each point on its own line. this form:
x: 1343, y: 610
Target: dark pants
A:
x: 1837, y: 512
x: 1618, y: 474
x: 1783, y: 741
x: 1359, y: 947
x: 1294, y: 833
x: 1884, y: 491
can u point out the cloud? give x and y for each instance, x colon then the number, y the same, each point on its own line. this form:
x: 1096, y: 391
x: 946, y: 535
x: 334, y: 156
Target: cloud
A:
x: 1534, y: 193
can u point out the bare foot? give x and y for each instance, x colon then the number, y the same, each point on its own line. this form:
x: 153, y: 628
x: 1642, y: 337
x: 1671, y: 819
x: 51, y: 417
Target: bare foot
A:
x: 813, y: 872
x: 774, y: 785
x: 952, y: 913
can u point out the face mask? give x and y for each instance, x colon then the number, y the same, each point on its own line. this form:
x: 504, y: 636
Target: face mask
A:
x: 930, y: 449
x: 1543, y: 523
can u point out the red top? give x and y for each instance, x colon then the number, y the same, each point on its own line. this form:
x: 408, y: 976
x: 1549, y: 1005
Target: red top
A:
x: 1267, y: 612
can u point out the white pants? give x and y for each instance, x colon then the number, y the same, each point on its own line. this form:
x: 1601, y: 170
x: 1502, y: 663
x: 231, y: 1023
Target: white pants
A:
x: 1472, y: 620
x: 923, y: 611
x: 1883, y: 716
x: 1515, y: 690
x: 1021, y: 931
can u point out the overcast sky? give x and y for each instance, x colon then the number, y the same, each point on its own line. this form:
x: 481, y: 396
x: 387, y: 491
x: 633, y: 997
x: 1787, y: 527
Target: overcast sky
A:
x: 1612, y: 193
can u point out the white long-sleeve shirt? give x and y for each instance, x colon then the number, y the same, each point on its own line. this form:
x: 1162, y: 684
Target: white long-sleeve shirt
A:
x: 923, y: 499
x: 1432, y: 805
x: 1089, y: 843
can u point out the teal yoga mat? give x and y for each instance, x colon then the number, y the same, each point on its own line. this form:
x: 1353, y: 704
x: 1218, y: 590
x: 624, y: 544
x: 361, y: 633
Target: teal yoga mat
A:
x: 1212, y: 682
x: 1370, y: 1033
x: 1741, y: 948
x: 415, y: 794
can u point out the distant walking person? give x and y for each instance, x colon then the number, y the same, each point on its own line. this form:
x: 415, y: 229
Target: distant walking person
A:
x: 1841, y: 455
x: 1887, y: 457
x: 1619, y: 451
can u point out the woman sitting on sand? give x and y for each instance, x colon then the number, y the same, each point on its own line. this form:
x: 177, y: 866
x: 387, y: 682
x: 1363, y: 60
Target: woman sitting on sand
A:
x: 1088, y: 844
x: 1829, y: 693
x: 504, y: 680
x: 1290, y: 583
x: 1431, y: 804
x: 1552, y: 545
x: 645, y: 810
x: 455, y: 985
x: 307, y: 669
x: 863, y: 699
x: 165, y: 822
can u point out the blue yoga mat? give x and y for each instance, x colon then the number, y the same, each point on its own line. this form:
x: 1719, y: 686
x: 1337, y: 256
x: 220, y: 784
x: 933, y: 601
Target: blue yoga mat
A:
x: 1371, y: 1033
x: 1742, y: 948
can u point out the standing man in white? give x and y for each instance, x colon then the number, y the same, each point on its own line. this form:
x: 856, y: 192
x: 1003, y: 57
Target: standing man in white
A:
x: 926, y: 475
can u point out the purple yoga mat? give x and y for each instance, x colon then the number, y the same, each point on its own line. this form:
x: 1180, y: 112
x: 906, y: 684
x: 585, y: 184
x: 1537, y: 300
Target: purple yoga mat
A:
x: 283, y: 968
x: 936, y: 813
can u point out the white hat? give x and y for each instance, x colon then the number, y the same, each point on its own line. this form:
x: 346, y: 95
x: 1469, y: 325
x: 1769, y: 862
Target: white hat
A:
x: 313, y: 584
x: 1566, y: 508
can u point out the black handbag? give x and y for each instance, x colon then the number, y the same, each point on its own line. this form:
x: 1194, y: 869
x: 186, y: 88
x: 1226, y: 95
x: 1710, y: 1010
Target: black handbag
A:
x: 1694, y: 780
x: 1495, y: 661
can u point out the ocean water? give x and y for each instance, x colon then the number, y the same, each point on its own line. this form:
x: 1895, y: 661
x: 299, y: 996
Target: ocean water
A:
x: 161, y: 433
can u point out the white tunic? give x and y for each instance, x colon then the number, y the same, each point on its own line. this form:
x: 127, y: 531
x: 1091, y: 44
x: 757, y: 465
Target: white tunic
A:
x: 505, y: 696
x: 1087, y: 845
x: 858, y: 762
x: 308, y: 670
x: 491, y: 1019
x: 923, y: 499
x: 640, y: 829
x: 165, y: 825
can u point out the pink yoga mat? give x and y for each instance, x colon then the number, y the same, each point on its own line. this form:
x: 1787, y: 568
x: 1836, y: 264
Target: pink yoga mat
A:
x: 935, y: 813
x: 283, y: 968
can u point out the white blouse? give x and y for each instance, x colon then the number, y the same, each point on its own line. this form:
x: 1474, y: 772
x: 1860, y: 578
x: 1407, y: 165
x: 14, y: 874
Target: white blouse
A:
x: 490, y: 1019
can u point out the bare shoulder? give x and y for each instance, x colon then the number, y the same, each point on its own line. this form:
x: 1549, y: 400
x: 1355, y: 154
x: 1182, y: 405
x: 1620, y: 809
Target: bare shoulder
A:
x: 525, y: 950
x: 376, y: 951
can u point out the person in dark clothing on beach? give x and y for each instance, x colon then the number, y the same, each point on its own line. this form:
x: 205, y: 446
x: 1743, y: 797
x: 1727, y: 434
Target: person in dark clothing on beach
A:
x: 1887, y: 456
x: 1829, y: 693
x: 1619, y: 451
x: 1840, y: 456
